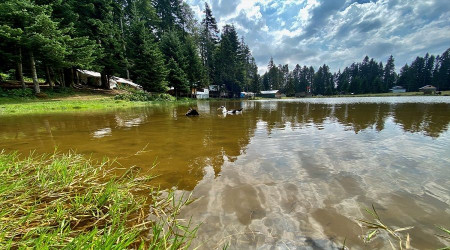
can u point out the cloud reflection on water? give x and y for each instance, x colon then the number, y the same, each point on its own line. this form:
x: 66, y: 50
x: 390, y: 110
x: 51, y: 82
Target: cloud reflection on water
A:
x: 284, y: 173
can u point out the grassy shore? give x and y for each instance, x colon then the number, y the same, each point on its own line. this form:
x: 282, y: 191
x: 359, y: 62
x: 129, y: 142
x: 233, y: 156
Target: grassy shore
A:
x: 79, y: 100
x: 90, y: 100
x: 67, y: 201
x: 444, y: 93
x: 65, y: 105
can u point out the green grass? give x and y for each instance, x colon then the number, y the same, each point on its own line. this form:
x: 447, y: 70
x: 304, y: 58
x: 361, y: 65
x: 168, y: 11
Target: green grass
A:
x: 67, y: 201
x: 69, y: 100
x: 11, y: 107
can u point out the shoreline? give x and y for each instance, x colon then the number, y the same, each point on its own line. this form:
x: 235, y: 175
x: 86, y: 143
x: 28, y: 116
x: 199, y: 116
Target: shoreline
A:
x: 97, y: 100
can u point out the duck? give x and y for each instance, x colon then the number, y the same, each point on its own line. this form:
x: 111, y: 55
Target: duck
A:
x: 192, y: 112
x: 233, y: 111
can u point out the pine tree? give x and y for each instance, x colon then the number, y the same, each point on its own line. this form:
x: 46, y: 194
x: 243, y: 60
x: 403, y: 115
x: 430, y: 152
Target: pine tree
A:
x: 23, y: 24
x: 208, y: 42
x: 228, y: 72
x: 171, y: 14
x: 193, y: 67
x: 443, y: 74
x: 147, y: 62
x: 177, y: 78
x: 389, y: 75
x: 290, y: 86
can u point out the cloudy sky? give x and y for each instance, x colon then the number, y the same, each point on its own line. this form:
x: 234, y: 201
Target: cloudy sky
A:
x: 335, y: 32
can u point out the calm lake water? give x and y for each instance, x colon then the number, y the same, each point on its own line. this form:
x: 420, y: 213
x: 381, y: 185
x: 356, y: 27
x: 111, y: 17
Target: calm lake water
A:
x: 285, y: 174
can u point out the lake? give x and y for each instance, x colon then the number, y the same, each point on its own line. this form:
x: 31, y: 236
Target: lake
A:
x: 284, y: 174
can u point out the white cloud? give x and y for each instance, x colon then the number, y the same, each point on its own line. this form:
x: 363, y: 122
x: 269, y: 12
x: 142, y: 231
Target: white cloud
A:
x: 337, y: 32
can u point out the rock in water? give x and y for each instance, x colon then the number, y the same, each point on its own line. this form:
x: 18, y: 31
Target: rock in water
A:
x: 192, y: 112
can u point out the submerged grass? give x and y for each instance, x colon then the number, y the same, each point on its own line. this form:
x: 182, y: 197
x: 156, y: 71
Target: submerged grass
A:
x: 67, y: 201
x: 376, y: 226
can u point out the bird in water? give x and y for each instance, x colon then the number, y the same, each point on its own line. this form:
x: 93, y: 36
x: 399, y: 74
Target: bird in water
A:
x: 233, y: 111
x: 192, y: 112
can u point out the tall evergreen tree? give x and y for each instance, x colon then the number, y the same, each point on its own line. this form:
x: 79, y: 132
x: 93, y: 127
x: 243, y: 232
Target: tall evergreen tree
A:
x: 228, y: 65
x: 389, y: 75
x: 208, y: 41
x: 147, y: 61
x: 443, y: 73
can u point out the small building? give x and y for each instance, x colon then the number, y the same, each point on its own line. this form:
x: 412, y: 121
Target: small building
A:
x: 88, y: 77
x: 248, y: 95
x: 203, y: 94
x: 428, y: 90
x: 214, y: 91
x: 398, y: 89
x: 271, y: 94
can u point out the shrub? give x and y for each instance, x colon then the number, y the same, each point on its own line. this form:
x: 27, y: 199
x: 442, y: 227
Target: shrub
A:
x: 16, y: 93
x: 60, y: 91
x: 164, y: 97
x: 143, y: 96
x: 135, y: 96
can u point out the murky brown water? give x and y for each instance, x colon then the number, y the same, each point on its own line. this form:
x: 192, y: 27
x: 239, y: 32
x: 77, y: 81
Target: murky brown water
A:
x: 284, y: 174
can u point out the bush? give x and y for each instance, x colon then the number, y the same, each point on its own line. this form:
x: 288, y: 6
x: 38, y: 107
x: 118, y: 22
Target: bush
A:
x: 135, y: 96
x: 16, y: 93
x: 60, y: 91
x: 143, y: 96
x: 164, y: 97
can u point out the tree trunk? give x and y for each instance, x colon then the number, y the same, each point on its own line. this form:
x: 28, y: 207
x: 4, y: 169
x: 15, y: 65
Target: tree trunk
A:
x: 49, y: 77
x: 105, y: 81
x: 68, y: 76
x: 63, y: 81
x: 124, y: 49
x: 37, y: 90
x: 76, y: 78
x: 20, y: 70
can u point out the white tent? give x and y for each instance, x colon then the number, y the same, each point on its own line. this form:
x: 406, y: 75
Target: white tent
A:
x: 94, y: 78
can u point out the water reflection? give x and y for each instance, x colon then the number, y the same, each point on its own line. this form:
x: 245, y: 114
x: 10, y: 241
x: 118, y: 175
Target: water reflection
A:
x: 283, y: 174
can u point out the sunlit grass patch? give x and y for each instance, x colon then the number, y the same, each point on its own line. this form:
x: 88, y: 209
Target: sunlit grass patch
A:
x: 65, y: 200
x: 52, y: 106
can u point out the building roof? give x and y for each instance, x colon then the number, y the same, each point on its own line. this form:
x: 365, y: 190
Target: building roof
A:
x: 268, y: 92
x: 398, y: 87
x: 204, y: 92
x: 90, y: 73
x: 127, y: 82
x: 428, y: 87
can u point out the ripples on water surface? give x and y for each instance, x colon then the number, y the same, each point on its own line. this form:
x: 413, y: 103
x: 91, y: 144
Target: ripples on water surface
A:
x: 286, y: 174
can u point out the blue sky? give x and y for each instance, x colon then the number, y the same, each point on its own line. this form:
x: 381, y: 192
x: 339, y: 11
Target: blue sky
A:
x: 335, y: 32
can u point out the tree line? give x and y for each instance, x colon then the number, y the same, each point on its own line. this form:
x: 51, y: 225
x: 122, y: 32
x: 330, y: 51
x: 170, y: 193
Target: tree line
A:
x: 158, y: 44
x: 368, y: 76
